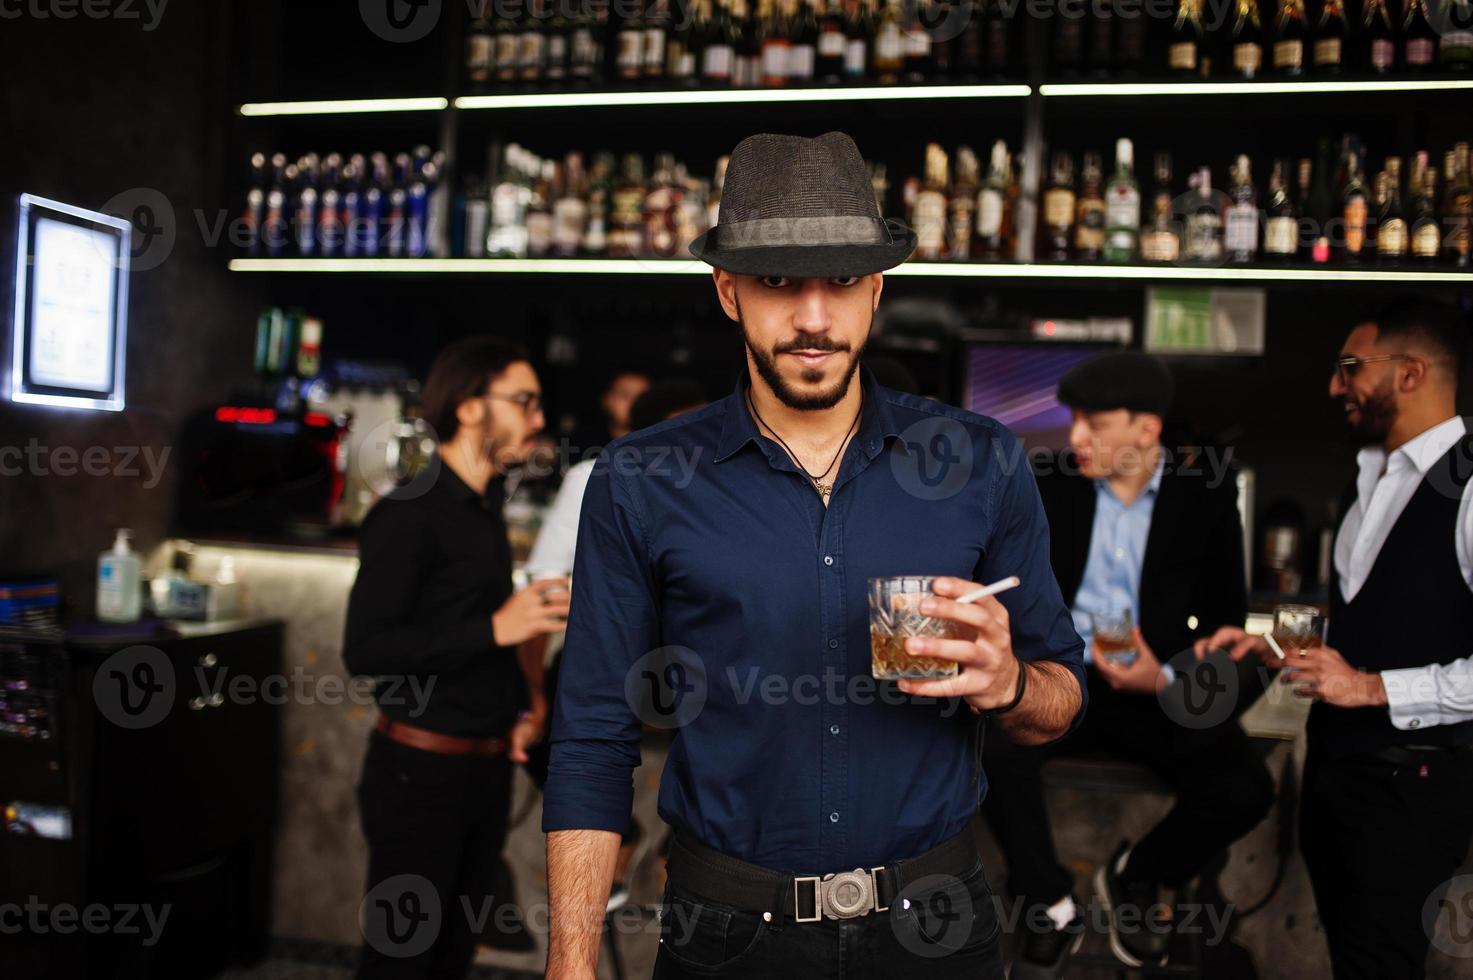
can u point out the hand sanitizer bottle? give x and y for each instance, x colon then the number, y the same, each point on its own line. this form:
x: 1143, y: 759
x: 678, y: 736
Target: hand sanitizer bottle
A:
x: 119, y: 589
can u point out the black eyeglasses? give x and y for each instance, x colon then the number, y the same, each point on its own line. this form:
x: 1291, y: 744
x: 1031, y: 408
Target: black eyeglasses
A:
x: 529, y: 401
x: 1348, y: 366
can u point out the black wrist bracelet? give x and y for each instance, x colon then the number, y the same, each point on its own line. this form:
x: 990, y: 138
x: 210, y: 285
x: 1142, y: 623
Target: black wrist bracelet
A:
x: 1017, y: 698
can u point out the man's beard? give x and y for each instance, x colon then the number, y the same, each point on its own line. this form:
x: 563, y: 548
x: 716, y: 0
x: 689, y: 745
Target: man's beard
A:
x: 766, y: 362
x: 1377, y: 415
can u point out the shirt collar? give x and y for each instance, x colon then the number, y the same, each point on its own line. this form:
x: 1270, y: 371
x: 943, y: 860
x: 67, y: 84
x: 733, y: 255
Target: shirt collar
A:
x: 1421, y: 451
x: 876, y: 425
x: 463, y: 493
x: 1153, y: 488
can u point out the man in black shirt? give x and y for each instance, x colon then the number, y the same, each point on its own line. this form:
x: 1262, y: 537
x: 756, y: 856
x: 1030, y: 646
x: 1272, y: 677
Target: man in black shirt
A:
x: 434, y: 617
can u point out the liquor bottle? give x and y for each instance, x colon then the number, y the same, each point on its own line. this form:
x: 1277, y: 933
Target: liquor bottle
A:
x: 330, y: 211
x: 1457, y: 209
x: 1281, y: 225
x: 1378, y: 37
x: 626, y: 212
x: 586, y: 45
x: 992, y: 206
x: 917, y: 45
x: 1456, y: 27
x: 803, y: 58
x: 1161, y: 240
x: 1320, y: 207
x: 1355, y: 210
x: 507, y: 37
x: 1392, y: 237
x: 629, y: 59
x: 775, y: 45
x: 1240, y: 214
x: 1426, y: 232
x: 656, y: 42
x: 600, y: 191
x: 661, y: 209
x: 1418, y: 38
x: 859, y: 34
x: 718, y: 55
x: 531, y: 46
x: 557, y: 49
x: 687, y: 40
x: 1202, y: 240
x: 1289, y: 34
x: 1101, y: 44
x: 929, y: 215
x: 961, y: 207
x: 713, y: 203
x: 944, y: 46
x: 1130, y: 38
x: 375, y: 189
x: 997, y: 39
x: 829, y: 51
x: 480, y: 51
x: 307, y: 202
x: 749, y: 46
x: 1058, y: 209
x: 889, y: 46
x: 1122, y: 207
x: 255, y: 206
x: 545, y: 191
x: 1330, y: 34
x: 1247, y: 40
x: 1184, y: 52
x: 1068, y: 46
x: 1089, y: 222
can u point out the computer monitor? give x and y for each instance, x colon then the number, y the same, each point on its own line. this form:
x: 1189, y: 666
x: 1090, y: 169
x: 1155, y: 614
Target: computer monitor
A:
x: 69, y: 335
x: 1018, y: 385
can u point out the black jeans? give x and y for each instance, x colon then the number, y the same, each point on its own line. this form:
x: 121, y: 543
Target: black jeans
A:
x: 1378, y: 840
x: 435, y: 826
x: 950, y: 931
x: 1222, y: 791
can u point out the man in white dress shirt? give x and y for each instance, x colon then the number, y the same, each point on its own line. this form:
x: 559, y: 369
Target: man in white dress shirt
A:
x: 1388, y: 780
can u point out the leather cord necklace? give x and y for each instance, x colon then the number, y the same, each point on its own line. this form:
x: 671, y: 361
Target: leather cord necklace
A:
x: 824, y: 489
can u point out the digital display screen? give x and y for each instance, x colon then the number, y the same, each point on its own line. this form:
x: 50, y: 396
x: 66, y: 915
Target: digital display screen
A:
x: 1018, y: 385
x: 70, y: 307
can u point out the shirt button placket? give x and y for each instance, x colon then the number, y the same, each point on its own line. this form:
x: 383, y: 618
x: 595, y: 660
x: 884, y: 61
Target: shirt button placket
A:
x: 832, y: 717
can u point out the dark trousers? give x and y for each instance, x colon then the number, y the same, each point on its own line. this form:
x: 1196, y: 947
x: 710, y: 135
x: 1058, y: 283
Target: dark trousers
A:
x: 435, y: 826
x: 951, y: 935
x: 1378, y: 841
x: 1222, y: 790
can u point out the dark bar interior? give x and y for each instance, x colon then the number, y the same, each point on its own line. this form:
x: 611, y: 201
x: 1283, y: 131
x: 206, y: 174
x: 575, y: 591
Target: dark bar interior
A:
x: 248, y: 250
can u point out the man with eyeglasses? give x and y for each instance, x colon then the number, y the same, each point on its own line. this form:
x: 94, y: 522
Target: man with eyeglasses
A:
x: 433, y: 616
x: 1388, y: 778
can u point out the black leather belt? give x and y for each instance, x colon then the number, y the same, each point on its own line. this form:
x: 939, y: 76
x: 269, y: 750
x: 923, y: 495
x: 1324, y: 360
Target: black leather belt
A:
x: 1416, y: 755
x: 707, y: 874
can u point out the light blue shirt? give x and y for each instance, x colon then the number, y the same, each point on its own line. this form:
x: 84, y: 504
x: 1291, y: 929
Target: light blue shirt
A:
x: 1117, y: 550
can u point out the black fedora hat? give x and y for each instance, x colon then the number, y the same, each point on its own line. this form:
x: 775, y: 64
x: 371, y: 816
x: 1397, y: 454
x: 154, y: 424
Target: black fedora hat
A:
x: 794, y: 206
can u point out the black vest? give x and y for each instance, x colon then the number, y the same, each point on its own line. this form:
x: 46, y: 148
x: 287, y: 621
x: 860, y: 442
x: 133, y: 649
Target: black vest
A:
x: 1414, y: 609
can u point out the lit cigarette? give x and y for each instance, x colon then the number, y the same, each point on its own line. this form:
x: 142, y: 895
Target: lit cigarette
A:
x: 1011, y: 582
x: 1274, y: 646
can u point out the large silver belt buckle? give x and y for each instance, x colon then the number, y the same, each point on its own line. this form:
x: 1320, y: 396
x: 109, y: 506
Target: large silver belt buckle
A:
x: 847, y: 894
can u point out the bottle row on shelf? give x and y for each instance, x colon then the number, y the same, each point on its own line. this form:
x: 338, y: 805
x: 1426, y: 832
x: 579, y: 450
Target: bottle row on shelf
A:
x: 559, y: 44
x: 1312, y: 211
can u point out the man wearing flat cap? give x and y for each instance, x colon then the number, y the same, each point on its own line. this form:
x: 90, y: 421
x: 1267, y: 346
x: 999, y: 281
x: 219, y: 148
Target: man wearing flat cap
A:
x: 822, y: 818
x: 1131, y: 534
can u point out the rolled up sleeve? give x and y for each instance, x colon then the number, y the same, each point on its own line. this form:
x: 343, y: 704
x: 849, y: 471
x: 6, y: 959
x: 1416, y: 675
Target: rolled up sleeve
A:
x: 612, y: 622
x: 1041, y: 625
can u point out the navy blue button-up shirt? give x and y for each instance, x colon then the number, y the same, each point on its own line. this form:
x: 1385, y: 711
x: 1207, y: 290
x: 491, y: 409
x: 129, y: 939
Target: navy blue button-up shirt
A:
x: 714, y: 594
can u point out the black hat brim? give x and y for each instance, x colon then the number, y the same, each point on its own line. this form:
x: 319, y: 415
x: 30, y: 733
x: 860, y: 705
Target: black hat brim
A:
x: 805, y: 261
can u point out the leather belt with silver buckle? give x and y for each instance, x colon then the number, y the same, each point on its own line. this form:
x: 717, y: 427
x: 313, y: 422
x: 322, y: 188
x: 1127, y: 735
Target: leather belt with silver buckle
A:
x: 845, y: 895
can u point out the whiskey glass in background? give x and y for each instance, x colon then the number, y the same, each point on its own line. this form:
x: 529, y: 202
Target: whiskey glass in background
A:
x: 1114, y: 636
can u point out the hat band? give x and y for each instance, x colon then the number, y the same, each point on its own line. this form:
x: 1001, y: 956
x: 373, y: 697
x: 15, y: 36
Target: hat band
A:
x: 813, y: 230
